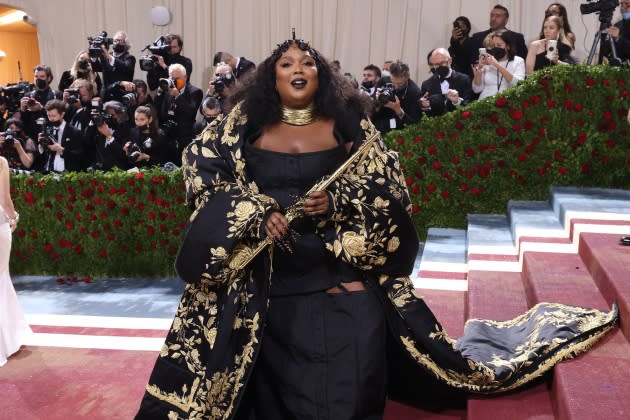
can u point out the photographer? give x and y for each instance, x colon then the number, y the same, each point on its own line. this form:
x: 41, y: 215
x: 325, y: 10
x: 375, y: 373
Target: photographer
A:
x: 210, y: 109
x: 15, y: 146
x: 219, y: 87
x: 4, y: 110
x: 620, y: 33
x: 60, y: 145
x: 177, y: 102
x: 239, y: 65
x: 139, y: 96
x: 106, y: 135
x: 173, y: 56
x: 462, y: 49
x: 147, y: 145
x: 398, y: 102
x: 32, y: 104
x: 81, y: 69
x: 117, y: 66
x: 446, y: 89
x: 79, y: 97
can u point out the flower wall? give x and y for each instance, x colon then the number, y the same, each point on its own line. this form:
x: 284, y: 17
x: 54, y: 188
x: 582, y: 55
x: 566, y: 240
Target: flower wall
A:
x: 115, y: 223
x: 565, y: 125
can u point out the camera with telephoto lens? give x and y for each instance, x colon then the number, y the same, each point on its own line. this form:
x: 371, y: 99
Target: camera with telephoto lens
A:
x: 129, y: 99
x: 74, y: 96
x: 158, y: 47
x: 166, y: 83
x: 9, y: 137
x: 221, y: 82
x: 599, y: 6
x: 13, y: 93
x: 47, y: 130
x: 388, y: 94
x: 97, y: 42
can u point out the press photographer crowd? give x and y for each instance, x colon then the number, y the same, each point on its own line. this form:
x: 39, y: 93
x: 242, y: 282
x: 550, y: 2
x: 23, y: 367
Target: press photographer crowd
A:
x: 103, y: 117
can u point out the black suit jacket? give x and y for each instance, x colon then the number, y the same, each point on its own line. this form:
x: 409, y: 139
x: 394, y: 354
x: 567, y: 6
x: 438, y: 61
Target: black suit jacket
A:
x: 409, y: 101
x: 72, y: 143
x: 439, y: 103
x: 244, y: 65
x: 519, y: 42
x: 185, y: 108
x: 122, y: 70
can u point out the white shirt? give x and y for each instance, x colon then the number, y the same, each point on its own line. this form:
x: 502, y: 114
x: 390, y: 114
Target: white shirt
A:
x: 492, y: 81
x: 59, y: 164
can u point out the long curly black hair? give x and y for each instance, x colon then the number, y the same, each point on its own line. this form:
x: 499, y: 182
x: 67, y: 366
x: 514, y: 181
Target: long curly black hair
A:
x: 335, y: 97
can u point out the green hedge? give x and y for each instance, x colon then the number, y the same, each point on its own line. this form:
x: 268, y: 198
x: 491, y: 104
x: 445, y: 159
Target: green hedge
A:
x: 563, y: 126
x: 116, y: 223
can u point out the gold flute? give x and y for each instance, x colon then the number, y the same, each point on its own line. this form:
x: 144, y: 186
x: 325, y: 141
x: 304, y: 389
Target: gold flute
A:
x: 243, y: 256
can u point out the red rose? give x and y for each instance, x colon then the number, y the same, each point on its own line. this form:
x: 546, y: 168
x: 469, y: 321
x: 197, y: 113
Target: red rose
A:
x: 415, y: 189
x: 475, y: 191
x: 516, y: 114
x: 466, y: 114
x: 78, y: 249
x: 590, y: 82
x: 431, y: 188
x: 48, y: 247
x: 529, y: 124
x: 29, y: 197
x: 437, y: 165
x: 445, y: 194
x: 150, y: 230
x: 139, y: 175
x: 610, y: 143
x: 432, y: 150
x: 540, y: 171
x: 568, y: 87
x: 111, y: 236
x: 463, y: 187
x: 501, y: 131
x: 417, y: 139
x: 562, y: 170
x: 95, y: 234
x: 102, y: 253
x: 586, y: 168
x: 607, y: 116
x: 400, y: 140
x: 408, y: 180
x: 551, y: 104
x: 69, y: 225
x: 439, y: 135
x: 151, y: 215
x: 522, y: 157
x: 459, y: 125
x: 455, y: 160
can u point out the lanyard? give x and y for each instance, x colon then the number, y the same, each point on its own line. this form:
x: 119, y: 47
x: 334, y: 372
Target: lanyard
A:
x: 500, y: 76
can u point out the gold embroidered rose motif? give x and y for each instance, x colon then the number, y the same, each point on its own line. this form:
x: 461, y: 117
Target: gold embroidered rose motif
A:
x: 244, y: 209
x: 353, y: 244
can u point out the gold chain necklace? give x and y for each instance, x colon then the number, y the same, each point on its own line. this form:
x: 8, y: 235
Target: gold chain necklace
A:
x: 298, y: 116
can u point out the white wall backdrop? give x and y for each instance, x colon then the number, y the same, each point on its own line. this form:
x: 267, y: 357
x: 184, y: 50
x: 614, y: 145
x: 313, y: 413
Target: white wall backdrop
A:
x: 356, y: 32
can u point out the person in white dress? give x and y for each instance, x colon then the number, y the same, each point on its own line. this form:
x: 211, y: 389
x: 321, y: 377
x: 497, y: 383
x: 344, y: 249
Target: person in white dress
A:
x: 13, y: 326
x: 498, y: 68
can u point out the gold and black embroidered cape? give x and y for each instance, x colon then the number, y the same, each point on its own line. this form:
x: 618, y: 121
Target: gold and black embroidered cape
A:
x: 211, y: 348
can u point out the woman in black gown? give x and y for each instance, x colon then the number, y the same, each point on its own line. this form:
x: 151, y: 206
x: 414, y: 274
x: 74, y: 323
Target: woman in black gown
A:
x: 297, y: 256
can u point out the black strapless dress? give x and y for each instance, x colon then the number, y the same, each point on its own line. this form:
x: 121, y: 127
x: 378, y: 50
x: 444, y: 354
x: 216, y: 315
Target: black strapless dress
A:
x: 322, y: 355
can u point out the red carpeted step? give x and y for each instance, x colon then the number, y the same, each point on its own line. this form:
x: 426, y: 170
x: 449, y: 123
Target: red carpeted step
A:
x: 501, y: 296
x: 598, y: 379
x: 448, y: 307
x: 560, y: 278
x: 609, y: 264
x: 595, y: 385
x: 487, y: 288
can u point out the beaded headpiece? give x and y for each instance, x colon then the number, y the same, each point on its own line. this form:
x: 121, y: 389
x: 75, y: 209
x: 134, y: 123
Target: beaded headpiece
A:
x: 300, y: 43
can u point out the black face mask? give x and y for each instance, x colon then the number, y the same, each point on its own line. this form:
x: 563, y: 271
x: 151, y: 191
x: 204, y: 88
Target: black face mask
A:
x: 144, y: 128
x: 119, y: 48
x: 368, y: 84
x: 41, y: 84
x: 55, y: 123
x: 210, y: 119
x: 497, y: 53
x: 441, y: 71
